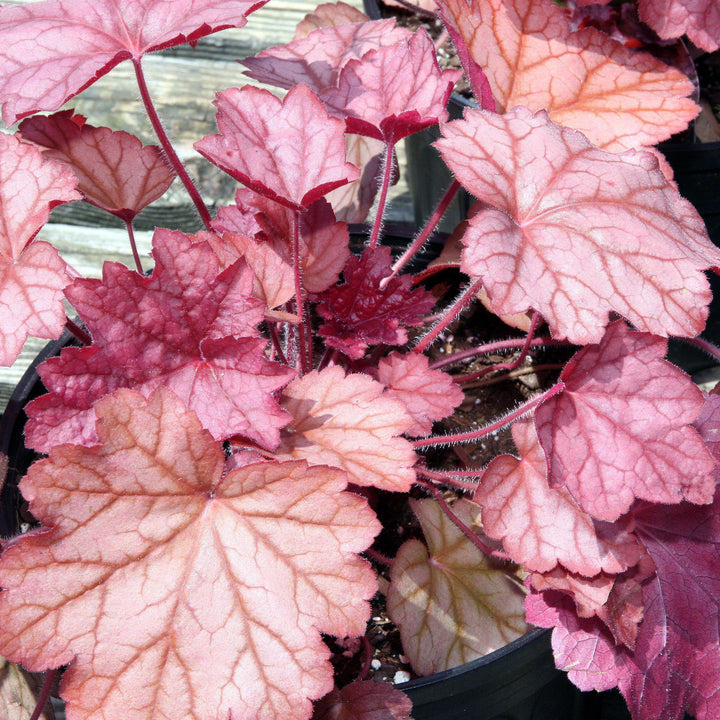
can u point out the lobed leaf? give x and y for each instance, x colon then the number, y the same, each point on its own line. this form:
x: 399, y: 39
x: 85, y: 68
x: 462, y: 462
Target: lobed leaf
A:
x: 184, y: 327
x: 289, y: 150
x: 32, y: 274
x: 698, y: 19
x: 115, y: 171
x: 75, y: 42
x: 344, y: 421
x: 618, y: 98
x: 559, y: 204
x: 166, y: 582
x: 329, y: 15
x: 450, y: 603
x: 621, y: 428
x: 542, y: 527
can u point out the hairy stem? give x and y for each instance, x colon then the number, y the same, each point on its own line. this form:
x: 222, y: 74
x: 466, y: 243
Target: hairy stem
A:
x: 77, y: 332
x: 303, y: 329
x: 133, y: 246
x: 705, y: 346
x: 48, y: 683
x: 451, y: 313
x: 382, y: 198
x: 425, y: 233
x: 524, y: 409
x: 453, y: 478
x: 170, y: 154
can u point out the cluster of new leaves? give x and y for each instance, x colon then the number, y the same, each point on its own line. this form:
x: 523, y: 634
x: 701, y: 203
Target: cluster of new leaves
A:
x: 196, y: 534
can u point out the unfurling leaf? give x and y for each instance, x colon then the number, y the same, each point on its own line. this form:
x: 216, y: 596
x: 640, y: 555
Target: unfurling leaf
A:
x: 559, y: 204
x: 185, y: 327
x: 74, y: 42
x: 450, y: 602
x: 541, y: 526
x: 618, y: 98
x: 427, y: 394
x: 167, y: 583
x: 289, y: 150
x: 361, y: 312
x: 32, y: 274
x: 364, y: 700
x: 346, y: 422
x: 621, y: 428
x: 115, y: 170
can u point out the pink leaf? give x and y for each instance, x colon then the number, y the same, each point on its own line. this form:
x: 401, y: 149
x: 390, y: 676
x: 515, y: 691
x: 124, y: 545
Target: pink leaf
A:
x: 114, y: 170
x: 176, y: 585
x: 364, y: 700
x: 361, y: 312
x: 618, y: 98
x: 324, y: 242
x: 428, y: 395
x: 542, y: 526
x: 344, y: 421
x: 698, y: 19
x: 708, y: 424
x: 317, y: 59
x: 54, y: 49
x: 451, y: 603
x: 289, y: 150
x: 329, y: 15
x: 621, y: 428
x: 32, y: 275
x: 184, y: 327
x: 394, y: 91
x: 560, y: 204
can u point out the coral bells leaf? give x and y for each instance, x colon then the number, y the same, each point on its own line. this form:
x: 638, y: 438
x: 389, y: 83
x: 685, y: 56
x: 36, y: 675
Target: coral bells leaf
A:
x: 448, y: 600
x: 560, y: 204
x: 542, y: 526
x: 317, y: 59
x: 621, y: 428
x: 289, y: 150
x: 360, y: 312
x: 698, y: 19
x: 114, y: 170
x: 329, y: 15
x: 394, y: 91
x: 618, y: 98
x: 74, y: 42
x: 169, y: 583
x: 427, y: 394
x: 346, y: 422
x: 32, y: 274
x: 364, y: 700
x: 184, y: 327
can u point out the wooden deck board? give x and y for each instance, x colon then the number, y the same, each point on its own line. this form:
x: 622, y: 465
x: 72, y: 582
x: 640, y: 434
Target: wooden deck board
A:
x: 183, y: 82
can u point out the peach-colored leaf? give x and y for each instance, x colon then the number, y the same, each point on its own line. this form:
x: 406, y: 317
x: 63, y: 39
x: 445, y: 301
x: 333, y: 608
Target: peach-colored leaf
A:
x: 621, y: 429
x: 427, y: 394
x: 168, y: 584
x: 364, y: 700
x: 541, y: 526
x: 329, y: 15
x: 344, y: 421
x: 289, y: 150
x: 32, y: 274
x: 560, y: 204
x: 115, y: 171
x: 19, y: 690
x: 52, y: 50
x: 698, y: 19
x: 317, y: 59
x: 450, y: 603
x: 618, y: 98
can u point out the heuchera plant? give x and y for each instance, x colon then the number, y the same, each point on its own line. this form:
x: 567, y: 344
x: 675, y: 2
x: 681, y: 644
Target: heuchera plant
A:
x: 220, y: 441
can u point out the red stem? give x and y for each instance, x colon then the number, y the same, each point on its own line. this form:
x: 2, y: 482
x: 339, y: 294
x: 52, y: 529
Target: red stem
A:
x: 133, y: 246
x: 451, y: 313
x: 494, y: 426
x: 452, y: 478
x: 48, y: 683
x: 170, y: 153
x: 304, y: 336
x: 382, y: 198
x: 77, y: 332
x: 494, y: 347
x: 704, y: 345
x: 469, y: 534
x: 425, y: 233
